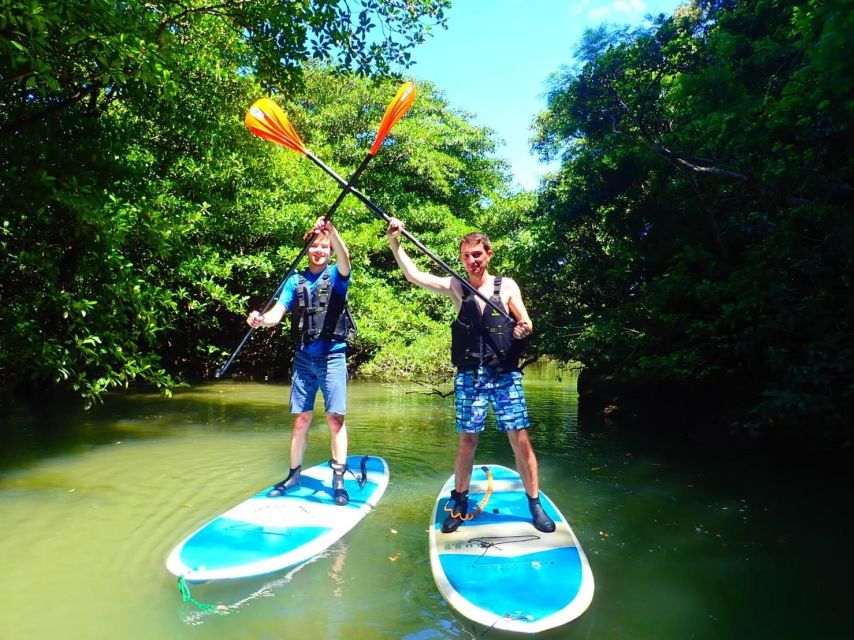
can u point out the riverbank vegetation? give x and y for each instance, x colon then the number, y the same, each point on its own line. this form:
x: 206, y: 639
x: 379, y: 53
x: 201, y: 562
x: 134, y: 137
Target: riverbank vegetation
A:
x: 696, y: 242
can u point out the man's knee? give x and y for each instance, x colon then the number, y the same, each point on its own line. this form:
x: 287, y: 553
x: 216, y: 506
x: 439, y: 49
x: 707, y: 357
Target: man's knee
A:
x: 335, y: 421
x: 519, y: 440
x: 302, y: 421
x: 468, y: 442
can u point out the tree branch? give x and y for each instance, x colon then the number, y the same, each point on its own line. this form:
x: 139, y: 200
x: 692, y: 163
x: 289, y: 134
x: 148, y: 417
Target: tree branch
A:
x: 211, y: 8
x: 432, y: 390
x: 11, y: 125
x: 676, y: 158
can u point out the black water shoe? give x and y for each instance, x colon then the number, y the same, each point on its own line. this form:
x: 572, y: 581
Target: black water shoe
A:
x: 539, y: 517
x: 288, y: 483
x: 458, y: 512
x: 339, y: 493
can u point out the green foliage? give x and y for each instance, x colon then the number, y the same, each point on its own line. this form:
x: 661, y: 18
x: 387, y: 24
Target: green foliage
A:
x: 407, y: 343
x: 87, y: 53
x: 137, y: 213
x: 698, y: 235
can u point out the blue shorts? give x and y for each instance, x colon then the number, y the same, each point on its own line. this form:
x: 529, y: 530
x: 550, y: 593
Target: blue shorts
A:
x: 327, y: 372
x: 475, y: 390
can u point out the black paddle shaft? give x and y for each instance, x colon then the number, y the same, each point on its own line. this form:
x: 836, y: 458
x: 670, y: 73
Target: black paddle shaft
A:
x: 382, y: 214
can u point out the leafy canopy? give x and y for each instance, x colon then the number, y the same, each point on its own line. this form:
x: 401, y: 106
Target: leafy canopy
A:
x: 697, y: 237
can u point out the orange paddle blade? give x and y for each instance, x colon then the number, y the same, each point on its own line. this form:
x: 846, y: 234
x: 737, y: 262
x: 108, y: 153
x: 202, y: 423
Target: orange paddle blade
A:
x: 266, y: 120
x: 396, y: 110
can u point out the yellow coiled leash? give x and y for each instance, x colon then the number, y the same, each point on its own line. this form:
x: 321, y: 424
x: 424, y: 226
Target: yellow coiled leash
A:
x: 465, y: 517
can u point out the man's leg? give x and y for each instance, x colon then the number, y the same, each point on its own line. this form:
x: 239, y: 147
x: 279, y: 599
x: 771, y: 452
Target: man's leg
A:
x: 303, y: 390
x: 459, y: 501
x: 466, y: 448
x: 471, y: 404
x: 338, y: 443
x: 334, y: 389
x: 526, y: 464
x: 299, y: 440
x: 338, y: 437
x: 526, y: 460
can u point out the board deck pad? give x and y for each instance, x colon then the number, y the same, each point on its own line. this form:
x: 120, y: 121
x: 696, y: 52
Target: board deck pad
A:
x: 262, y: 534
x: 498, y: 570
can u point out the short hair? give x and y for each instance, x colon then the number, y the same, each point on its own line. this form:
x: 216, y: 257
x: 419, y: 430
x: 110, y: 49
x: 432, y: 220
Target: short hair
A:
x: 311, y: 233
x: 476, y: 238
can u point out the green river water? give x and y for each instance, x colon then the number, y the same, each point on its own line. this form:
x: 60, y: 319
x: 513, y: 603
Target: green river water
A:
x: 683, y: 542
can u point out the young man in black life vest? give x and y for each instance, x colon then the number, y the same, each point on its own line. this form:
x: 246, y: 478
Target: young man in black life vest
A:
x: 321, y: 324
x: 485, y: 347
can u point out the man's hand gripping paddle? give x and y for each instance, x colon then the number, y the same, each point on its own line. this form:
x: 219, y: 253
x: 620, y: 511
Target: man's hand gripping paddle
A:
x: 267, y: 120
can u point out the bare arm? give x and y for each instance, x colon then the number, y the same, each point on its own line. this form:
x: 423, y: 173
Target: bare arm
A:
x: 413, y: 273
x: 341, y: 251
x: 524, y: 327
x: 269, y: 319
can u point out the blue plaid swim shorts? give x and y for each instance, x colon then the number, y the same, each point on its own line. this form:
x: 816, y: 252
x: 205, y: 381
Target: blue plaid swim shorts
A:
x: 475, y: 390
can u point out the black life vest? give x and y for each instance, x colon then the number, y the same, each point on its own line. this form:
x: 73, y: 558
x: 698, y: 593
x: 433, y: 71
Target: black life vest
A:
x: 321, y: 313
x: 484, y: 338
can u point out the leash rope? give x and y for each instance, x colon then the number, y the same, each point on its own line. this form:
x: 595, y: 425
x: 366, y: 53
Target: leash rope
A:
x: 187, y: 596
x: 465, y: 517
x: 490, y: 542
x: 364, y: 469
x: 362, y: 479
x: 516, y: 615
x: 494, y: 541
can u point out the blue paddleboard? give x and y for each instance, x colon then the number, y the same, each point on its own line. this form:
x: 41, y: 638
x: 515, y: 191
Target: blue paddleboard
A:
x: 498, y: 570
x: 262, y: 535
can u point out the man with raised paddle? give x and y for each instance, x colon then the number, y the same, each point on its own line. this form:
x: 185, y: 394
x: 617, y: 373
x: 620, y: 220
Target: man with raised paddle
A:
x: 485, y: 347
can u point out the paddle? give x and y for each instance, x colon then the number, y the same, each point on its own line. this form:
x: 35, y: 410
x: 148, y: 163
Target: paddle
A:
x: 271, y: 123
x: 266, y: 120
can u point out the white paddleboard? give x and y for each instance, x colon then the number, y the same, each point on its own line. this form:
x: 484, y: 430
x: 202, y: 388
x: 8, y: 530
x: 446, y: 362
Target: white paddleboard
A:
x: 262, y: 535
x: 498, y: 570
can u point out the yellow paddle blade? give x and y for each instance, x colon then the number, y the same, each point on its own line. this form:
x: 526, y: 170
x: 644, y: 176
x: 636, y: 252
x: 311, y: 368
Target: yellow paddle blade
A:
x: 396, y: 110
x: 266, y: 120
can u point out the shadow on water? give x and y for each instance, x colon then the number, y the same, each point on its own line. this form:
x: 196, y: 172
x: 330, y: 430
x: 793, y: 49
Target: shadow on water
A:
x: 55, y: 424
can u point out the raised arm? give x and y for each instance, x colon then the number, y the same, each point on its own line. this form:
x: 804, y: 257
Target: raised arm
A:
x: 425, y: 280
x: 342, y: 253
